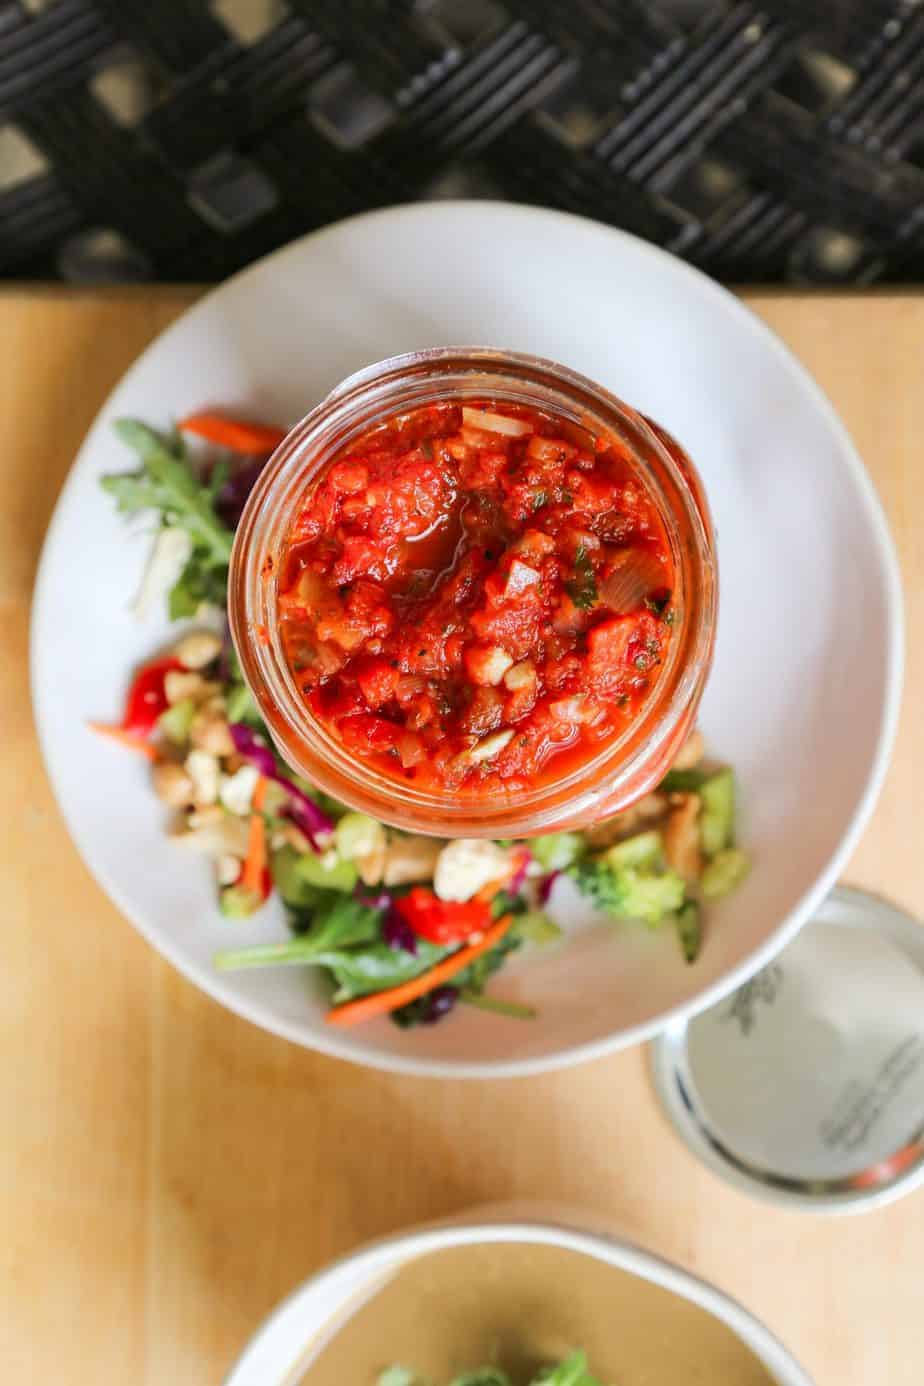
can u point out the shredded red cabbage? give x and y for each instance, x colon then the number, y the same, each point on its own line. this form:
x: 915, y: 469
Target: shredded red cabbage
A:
x: 437, y: 1003
x: 519, y: 876
x: 397, y: 933
x: 380, y: 901
x: 303, y: 811
x: 546, y: 884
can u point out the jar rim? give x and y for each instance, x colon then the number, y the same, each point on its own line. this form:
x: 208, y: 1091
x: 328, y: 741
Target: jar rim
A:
x: 398, y: 384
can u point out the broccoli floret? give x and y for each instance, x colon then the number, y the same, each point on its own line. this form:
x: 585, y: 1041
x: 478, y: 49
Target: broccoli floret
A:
x: 628, y: 893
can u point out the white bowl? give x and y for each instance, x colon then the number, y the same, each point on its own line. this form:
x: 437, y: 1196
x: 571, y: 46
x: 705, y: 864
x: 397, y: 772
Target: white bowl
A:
x: 805, y: 687
x: 282, y: 1349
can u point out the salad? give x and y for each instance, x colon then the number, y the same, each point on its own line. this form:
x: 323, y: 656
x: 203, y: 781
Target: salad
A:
x: 400, y: 925
x: 570, y: 1372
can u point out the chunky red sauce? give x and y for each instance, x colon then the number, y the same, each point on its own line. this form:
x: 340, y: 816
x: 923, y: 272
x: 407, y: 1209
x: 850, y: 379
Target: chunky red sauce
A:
x: 476, y: 600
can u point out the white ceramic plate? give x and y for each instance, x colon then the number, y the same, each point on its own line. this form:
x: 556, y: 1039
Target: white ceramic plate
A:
x: 805, y: 688
x: 282, y: 1349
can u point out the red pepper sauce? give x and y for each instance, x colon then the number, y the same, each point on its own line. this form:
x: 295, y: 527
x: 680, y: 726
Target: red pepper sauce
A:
x: 475, y: 600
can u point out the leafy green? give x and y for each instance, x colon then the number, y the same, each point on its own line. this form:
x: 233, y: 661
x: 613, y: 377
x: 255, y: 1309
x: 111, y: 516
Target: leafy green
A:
x: 312, y: 902
x: 506, y: 903
x: 166, y: 484
x: 397, y: 1376
x: 629, y: 893
x: 582, y: 588
x: 344, y: 923
x: 572, y: 1372
x: 201, y: 583
x: 476, y: 976
x: 379, y: 967
x: 295, y: 872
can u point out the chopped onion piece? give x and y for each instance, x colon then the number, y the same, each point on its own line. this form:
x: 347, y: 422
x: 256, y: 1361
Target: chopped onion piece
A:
x: 486, y: 749
x: 637, y: 575
x: 496, y: 423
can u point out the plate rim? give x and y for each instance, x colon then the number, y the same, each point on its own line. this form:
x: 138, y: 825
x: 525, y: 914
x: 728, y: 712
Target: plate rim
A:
x: 211, y: 982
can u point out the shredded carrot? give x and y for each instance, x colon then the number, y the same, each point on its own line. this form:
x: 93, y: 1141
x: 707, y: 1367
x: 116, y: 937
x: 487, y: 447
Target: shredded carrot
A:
x: 259, y: 793
x: 132, y: 740
x: 251, y: 877
x: 240, y: 435
x: 486, y: 894
x: 381, y: 1002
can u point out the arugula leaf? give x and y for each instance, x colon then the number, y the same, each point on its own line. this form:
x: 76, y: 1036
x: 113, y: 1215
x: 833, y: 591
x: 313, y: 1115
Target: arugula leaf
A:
x: 166, y: 482
x: 360, y: 971
x: 345, y: 923
x: 582, y: 589
x: 505, y: 903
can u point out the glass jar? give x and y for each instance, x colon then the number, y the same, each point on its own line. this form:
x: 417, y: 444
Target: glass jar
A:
x: 626, y: 767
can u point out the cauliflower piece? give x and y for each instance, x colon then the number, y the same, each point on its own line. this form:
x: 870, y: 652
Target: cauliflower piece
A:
x: 236, y: 791
x: 467, y: 864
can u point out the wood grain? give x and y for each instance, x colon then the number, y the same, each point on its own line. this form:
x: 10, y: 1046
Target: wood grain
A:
x: 167, y: 1171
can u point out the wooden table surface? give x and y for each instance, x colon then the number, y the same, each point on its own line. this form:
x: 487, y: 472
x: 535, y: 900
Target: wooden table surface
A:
x: 167, y: 1171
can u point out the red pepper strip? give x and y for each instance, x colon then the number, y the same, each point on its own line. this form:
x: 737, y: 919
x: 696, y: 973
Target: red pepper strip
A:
x: 239, y: 435
x: 381, y: 1002
x: 147, y: 697
x: 442, y: 921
